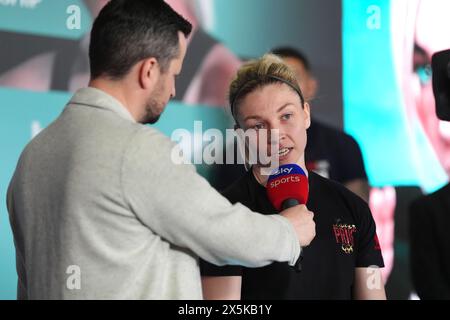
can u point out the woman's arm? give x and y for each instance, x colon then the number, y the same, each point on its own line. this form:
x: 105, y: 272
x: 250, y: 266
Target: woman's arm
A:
x: 222, y: 288
x: 368, y: 284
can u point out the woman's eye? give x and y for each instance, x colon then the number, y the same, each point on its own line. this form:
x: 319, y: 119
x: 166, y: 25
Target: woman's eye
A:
x: 424, y: 72
x: 258, y: 126
x: 287, y: 116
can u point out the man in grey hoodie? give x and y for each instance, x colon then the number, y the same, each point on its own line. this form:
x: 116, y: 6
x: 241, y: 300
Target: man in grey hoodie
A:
x: 97, y: 206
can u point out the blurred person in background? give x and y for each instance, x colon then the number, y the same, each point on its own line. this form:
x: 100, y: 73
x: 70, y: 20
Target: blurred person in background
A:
x: 429, y: 215
x: 418, y: 30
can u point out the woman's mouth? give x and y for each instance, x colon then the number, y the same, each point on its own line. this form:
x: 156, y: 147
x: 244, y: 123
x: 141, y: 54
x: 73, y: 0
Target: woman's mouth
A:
x: 283, y: 152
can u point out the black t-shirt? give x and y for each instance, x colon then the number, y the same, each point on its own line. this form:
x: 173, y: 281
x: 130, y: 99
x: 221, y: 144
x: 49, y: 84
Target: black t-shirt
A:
x: 430, y: 244
x: 345, y: 239
x: 333, y: 154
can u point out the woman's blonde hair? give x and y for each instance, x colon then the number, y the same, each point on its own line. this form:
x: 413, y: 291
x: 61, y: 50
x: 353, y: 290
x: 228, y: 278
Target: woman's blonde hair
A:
x: 258, y: 73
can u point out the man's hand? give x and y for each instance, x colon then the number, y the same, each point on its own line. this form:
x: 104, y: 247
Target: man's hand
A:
x: 303, y: 222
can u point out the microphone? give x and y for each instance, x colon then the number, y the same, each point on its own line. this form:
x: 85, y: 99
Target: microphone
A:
x: 288, y: 187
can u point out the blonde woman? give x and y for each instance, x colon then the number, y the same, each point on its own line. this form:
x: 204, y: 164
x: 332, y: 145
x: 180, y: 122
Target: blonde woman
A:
x: 343, y: 260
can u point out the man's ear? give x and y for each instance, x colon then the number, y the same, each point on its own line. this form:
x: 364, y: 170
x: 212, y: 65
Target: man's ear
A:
x: 149, y: 73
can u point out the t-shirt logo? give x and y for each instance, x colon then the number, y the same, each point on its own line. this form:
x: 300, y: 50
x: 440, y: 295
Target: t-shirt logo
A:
x: 344, y: 236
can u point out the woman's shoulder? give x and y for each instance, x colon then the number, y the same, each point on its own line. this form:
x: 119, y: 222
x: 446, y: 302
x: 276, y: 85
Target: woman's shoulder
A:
x: 333, y: 192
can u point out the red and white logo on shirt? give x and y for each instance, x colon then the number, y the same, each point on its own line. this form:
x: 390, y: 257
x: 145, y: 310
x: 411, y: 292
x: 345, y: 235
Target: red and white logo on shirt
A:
x: 343, y: 234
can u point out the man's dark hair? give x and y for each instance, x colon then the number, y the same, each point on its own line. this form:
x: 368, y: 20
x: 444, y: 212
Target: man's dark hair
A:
x: 128, y: 31
x: 289, y: 52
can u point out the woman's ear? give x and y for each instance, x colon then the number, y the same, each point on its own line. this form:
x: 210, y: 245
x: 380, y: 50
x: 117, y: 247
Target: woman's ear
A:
x: 307, y: 116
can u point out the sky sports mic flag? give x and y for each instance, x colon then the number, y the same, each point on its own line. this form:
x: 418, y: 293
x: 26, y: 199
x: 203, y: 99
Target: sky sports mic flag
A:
x: 287, y: 187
